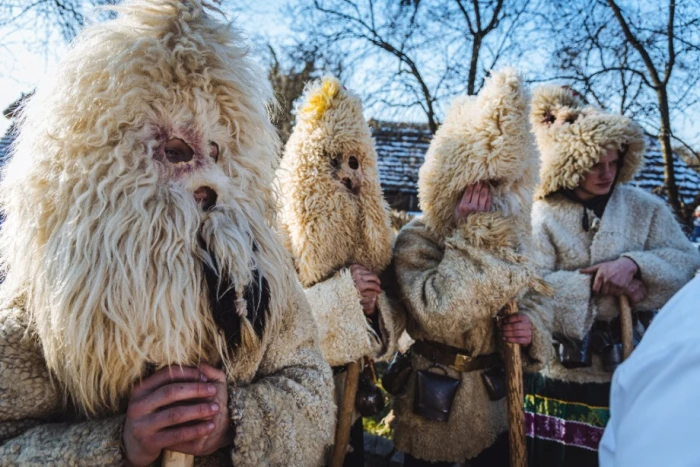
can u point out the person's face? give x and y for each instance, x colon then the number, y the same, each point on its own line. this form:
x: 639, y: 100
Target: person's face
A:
x: 600, y: 179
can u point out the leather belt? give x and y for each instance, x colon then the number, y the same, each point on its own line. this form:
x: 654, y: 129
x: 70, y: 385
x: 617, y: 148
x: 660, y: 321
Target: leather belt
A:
x: 455, y: 358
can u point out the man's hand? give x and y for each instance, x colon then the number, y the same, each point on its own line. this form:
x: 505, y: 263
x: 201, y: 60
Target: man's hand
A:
x: 636, y: 291
x: 516, y: 329
x: 157, y: 418
x: 476, y: 198
x: 612, y: 277
x: 369, y: 286
x: 222, y: 434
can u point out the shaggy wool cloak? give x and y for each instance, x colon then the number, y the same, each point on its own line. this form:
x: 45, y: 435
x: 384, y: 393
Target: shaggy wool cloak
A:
x: 636, y: 225
x: 567, y: 409
x: 455, y: 280
x: 572, y: 137
x: 334, y: 215
x: 277, y: 401
x: 104, y: 247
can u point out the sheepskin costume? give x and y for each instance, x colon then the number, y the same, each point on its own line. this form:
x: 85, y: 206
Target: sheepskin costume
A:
x: 122, y: 254
x: 455, y: 279
x: 572, y: 138
x: 334, y: 215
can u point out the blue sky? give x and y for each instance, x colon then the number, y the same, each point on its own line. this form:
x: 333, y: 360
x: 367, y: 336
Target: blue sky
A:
x: 24, y: 67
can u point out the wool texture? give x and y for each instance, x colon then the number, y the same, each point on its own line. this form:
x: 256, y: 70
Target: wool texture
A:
x: 343, y: 329
x: 483, y: 138
x: 333, y: 210
x: 573, y: 136
x: 635, y: 224
x: 453, y: 292
x: 333, y: 215
x: 104, y: 245
x: 455, y: 278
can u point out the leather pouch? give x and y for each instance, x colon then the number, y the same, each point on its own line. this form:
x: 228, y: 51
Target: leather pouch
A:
x: 435, y: 394
x: 395, y: 379
x: 495, y: 382
x: 612, y: 357
x: 572, y: 353
x: 369, y: 399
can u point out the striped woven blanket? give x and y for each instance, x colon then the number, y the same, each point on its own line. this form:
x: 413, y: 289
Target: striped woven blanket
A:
x: 564, y: 421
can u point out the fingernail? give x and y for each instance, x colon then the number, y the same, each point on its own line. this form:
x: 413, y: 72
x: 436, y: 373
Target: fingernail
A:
x: 210, y: 426
x: 202, y: 377
x: 211, y: 388
x: 215, y: 407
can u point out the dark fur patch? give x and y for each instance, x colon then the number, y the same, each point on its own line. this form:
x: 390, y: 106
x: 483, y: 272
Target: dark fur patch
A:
x: 222, y: 302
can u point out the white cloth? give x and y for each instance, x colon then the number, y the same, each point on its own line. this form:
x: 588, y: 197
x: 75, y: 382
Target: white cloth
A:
x: 655, y: 394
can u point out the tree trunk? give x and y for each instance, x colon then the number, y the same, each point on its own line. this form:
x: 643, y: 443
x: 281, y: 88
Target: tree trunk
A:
x: 432, y: 122
x: 473, y: 65
x: 667, y: 152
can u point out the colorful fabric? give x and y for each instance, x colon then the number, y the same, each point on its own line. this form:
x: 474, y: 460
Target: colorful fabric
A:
x: 564, y: 421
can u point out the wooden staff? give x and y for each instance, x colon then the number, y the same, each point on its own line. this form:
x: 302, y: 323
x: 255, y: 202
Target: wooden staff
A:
x: 177, y: 459
x: 345, y: 412
x: 515, y: 397
x: 626, y: 327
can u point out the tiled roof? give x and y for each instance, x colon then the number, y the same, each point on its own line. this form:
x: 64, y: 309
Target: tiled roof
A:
x: 5, y: 143
x: 401, y: 148
x: 651, y: 177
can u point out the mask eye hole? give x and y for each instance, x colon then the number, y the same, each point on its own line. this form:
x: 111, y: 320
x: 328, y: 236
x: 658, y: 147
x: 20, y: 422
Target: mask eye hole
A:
x: 335, y: 163
x: 214, y: 151
x: 549, y: 119
x: 353, y: 163
x: 176, y: 151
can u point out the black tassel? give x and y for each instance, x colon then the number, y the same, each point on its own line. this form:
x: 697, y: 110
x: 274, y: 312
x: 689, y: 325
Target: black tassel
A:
x: 586, y: 224
x: 223, y: 307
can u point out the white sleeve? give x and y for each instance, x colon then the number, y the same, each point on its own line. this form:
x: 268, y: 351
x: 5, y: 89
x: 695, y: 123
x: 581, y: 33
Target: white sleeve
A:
x: 654, y: 403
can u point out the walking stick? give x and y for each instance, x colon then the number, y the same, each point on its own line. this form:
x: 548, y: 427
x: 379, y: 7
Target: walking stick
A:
x: 626, y: 327
x: 177, y: 459
x: 345, y: 411
x: 515, y: 397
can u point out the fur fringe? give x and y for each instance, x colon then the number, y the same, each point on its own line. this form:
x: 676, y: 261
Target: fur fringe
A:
x: 572, y: 137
